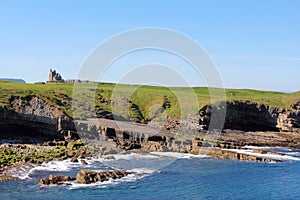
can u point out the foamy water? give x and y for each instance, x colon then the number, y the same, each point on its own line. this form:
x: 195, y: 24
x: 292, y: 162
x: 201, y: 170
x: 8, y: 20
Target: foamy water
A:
x: 141, y: 164
x: 287, y: 151
x: 178, y: 155
x: 187, y: 178
x: 270, y: 156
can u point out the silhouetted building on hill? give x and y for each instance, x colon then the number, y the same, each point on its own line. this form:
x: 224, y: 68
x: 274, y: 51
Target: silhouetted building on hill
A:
x: 55, y: 77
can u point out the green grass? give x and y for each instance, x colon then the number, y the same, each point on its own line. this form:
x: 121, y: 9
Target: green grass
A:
x: 137, y: 103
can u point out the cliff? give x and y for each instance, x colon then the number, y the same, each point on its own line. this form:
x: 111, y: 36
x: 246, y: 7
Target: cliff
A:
x: 251, y: 116
x: 37, y: 113
x: 30, y: 119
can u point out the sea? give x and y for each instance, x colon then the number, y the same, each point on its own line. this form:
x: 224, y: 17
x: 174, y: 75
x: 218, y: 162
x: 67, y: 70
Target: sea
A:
x: 164, y: 176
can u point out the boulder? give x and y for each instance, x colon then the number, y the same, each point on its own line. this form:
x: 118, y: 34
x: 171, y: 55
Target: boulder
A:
x: 44, y: 181
x: 88, y: 176
x: 74, y: 145
x: 74, y: 159
x: 58, y: 180
x: 109, y: 158
x: 83, y: 162
x: 7, y: 178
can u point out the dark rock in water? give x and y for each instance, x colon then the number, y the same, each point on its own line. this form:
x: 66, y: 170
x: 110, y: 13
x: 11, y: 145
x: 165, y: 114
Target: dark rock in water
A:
x: 83, y: 162
x: 58, y: 180
x: 74, y: 159
x: 84, y: 177
x: 109, y: 158
x: 87, y: 176
x: 44, y: 181
x: 7, y: 178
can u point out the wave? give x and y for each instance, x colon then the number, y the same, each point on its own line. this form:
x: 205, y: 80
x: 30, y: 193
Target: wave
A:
x: 151, y: 156
x: 142, y: 164
x: 286, y: 151
x: 143, y: 171
x: 179, y: 155
x: 267, y: 148
x: 64, y: 165
x: 26, y: 171
x: 270, y: 156
x: 133, y: 156
x: 21, y: 171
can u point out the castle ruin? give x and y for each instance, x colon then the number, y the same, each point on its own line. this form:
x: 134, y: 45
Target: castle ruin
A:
x: 54, y: 76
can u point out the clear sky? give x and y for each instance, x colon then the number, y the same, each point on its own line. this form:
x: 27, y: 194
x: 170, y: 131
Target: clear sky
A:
x: 255, y: 44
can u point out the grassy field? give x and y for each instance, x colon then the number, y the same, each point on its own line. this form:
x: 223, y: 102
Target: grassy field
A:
x: 137, y: 103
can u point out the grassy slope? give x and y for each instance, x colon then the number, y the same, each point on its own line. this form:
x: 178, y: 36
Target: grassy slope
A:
x: 144, y: 103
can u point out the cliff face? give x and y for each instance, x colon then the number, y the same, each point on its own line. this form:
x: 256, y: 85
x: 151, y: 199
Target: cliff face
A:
x: 30, y: 118
x: 130, y: 136
x: 249, y: 116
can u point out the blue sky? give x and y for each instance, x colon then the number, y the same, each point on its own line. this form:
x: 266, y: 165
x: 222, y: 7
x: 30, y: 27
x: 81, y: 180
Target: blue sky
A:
x: 254, y: 44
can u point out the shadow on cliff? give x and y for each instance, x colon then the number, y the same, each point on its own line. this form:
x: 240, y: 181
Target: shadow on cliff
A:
x: 242, y: 115
x: 15, y: 133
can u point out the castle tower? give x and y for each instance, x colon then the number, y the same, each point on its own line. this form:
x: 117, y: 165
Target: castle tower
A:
x: 54, y: 76
x: 51, y: 75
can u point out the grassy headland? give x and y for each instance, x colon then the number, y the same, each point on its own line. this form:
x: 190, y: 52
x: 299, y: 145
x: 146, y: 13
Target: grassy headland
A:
x: 146, y: 102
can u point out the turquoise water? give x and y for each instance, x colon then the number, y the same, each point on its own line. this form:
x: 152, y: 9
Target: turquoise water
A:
x: 189, y: 178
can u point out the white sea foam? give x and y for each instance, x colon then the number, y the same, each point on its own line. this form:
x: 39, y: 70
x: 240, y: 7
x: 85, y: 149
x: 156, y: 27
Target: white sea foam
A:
x: 22, y: 172
x: 64, y: 165
x: 266, y: 148
x: 142, y: 164
x: 287, y: 151
x: 271, y: 156
x: 153, y: 160
x: 133, y: 156
x: 178, y: 155
x: 294, y: 153
x: 255, y: 147
x: 142, y: 170
x: 25, y: 172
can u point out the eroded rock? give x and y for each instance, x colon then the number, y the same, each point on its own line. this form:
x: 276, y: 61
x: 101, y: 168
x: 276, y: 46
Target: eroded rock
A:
x: 57, y: 180
x: 7, y: 178
x: 88, y: 176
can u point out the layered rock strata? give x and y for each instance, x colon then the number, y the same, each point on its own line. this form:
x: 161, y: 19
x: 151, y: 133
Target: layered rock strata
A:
x: 250, y: 116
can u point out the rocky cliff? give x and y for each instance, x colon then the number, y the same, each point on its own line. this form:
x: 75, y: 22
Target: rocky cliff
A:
x: 31, y: 116
x: 250, y: 116
x: 30, y: 119
x: 127, y: 136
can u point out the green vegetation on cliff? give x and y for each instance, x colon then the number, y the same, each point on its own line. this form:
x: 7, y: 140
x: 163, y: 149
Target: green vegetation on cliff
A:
x: 145, y: 103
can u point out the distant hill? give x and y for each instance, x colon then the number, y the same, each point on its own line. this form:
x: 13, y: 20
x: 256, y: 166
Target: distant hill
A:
x: 12, y: 80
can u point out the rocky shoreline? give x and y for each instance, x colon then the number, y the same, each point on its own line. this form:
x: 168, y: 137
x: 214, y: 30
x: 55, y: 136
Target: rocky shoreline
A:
x: 49, y: 134
x: 14, y: 156
x: 229, y: 145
